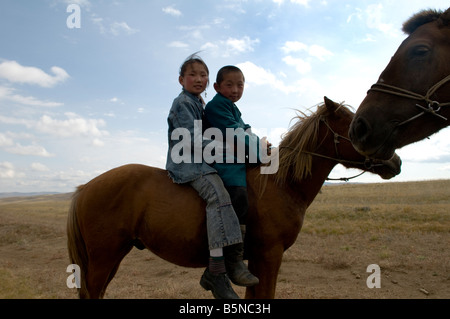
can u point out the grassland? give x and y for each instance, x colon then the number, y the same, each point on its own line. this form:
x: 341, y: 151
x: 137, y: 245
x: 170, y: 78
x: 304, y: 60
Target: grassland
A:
x: 402, y: 227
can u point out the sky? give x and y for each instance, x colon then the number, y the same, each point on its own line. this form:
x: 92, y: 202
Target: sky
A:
x: 86, y: 86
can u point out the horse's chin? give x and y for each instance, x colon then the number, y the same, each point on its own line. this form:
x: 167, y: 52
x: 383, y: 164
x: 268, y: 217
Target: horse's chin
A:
x: 391, y: 167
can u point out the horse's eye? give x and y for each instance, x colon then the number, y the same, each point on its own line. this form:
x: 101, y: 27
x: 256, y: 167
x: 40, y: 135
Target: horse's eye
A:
x: 420, y: 51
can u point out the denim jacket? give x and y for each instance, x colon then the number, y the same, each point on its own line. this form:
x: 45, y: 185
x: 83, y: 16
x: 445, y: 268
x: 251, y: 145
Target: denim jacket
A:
x: 186, y: 109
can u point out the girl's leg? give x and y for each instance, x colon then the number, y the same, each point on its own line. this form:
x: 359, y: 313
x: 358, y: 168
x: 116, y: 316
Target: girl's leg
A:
x: 222, y: 228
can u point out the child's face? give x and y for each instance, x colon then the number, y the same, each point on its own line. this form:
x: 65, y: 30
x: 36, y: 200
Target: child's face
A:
x: 195, y: 79
x: 232, y: 86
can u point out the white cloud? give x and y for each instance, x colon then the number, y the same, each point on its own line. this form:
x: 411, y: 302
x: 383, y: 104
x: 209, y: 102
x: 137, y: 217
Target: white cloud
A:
x: 309, y: 89
x: 73, y: 126
x: 7, y: 94
x: 98, y: 21
x: 232, y: 46
x: 319, y: 52
x: 314, y: 50
x: 172, y: 11
x: 301, y: 2
x: 10, y: 146
x: 178, y: 44
x: 437, y: 149
x: 14, y: 121
x: 7, y: 170
x: 97, y: 142
x: 300, y: 65
x: 33, y: 150
x: 375, y: 17
x: 259, y: 76
x: 38, y: 167
x: 234, y: 5
x: 85, y: 4
x: 114, y: 28
x: 5, y: 140
x: 210, y: 46
x: 118, y: 28
x: 16, y: 73
x: 240, y: 45
x: 294, y: 46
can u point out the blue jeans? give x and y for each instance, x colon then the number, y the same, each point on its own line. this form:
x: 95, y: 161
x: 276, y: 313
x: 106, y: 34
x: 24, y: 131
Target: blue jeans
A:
x: 222, y: 224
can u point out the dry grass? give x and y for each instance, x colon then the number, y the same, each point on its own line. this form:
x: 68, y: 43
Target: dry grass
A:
x: 403, y: 227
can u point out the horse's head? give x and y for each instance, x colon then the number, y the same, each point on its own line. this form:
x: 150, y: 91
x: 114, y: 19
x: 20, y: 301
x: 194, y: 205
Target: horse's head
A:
x: 411, y: 99
x: 336, y: 127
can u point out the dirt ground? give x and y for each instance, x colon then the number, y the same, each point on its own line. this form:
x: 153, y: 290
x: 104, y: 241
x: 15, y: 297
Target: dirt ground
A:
x: 315, y: 267
x: 415, y: 264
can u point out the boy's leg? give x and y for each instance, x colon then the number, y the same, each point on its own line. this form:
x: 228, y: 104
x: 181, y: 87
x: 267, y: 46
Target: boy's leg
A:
x: 234, y: 255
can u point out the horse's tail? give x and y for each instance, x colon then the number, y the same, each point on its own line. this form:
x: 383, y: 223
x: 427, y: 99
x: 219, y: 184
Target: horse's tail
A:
x: 76, y: 245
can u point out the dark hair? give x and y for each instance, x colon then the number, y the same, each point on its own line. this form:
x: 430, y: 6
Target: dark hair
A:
x: 193, y: 58
x: 225, y: 70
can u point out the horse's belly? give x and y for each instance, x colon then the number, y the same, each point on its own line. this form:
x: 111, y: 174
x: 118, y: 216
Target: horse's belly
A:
x: 175, y: 229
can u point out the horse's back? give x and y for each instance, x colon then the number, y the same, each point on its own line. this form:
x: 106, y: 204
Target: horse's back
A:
x: 134, y: 187
x: 139, y: 202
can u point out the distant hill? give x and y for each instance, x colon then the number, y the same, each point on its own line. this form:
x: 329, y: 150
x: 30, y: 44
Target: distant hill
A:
x: 16, y: 194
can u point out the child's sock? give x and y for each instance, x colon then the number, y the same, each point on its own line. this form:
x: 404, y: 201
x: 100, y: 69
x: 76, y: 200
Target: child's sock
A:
x: 216, y: 262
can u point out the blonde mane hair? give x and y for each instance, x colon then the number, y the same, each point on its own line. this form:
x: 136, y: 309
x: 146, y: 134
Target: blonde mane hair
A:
x: 294, y: 161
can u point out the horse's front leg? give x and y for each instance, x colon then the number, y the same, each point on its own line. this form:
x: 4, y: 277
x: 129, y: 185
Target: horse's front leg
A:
x: 265, y: 266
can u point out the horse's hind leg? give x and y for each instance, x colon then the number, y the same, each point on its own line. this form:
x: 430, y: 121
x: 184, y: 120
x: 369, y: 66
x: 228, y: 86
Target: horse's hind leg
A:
x: 101, y: 270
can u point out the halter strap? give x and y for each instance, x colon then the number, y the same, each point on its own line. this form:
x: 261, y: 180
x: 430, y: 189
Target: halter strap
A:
x: 433, y: 107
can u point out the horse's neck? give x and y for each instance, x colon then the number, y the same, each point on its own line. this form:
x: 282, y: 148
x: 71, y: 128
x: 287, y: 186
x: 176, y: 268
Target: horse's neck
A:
x: 309, y: 187
x: 301, y: 193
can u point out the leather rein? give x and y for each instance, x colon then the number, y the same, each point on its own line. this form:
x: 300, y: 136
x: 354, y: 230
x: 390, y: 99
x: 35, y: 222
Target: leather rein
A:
x: 368, y: 163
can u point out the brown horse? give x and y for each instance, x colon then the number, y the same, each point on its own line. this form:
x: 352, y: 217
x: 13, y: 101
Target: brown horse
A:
x: 411, y: 99
x: 137, y: 205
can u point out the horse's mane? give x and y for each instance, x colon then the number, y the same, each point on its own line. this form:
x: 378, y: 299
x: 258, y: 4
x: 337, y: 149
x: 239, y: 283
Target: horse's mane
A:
x: 294, y: 163
x: 424, y: 17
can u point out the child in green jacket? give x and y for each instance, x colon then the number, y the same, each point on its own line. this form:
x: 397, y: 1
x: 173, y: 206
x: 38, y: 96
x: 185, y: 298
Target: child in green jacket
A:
x: 222, y: 113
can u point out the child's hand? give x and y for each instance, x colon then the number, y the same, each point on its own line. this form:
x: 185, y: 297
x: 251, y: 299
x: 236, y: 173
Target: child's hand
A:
x: 269, y: 145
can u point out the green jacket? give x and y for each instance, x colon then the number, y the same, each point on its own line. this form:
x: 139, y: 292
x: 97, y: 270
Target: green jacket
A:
x: 222, y: 113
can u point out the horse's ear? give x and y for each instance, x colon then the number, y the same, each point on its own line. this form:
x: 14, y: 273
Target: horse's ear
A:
x: 331, y: 105
x: 445, y: 17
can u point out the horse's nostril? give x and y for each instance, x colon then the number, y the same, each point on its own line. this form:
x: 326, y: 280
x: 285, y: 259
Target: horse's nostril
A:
x: 360, y: 129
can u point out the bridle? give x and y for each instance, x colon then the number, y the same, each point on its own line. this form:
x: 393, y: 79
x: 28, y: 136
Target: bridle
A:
x: 367, y: 164
x: 433, y: 107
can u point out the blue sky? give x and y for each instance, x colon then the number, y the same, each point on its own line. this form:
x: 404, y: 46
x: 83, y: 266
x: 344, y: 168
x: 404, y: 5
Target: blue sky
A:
x: 76, y: 102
